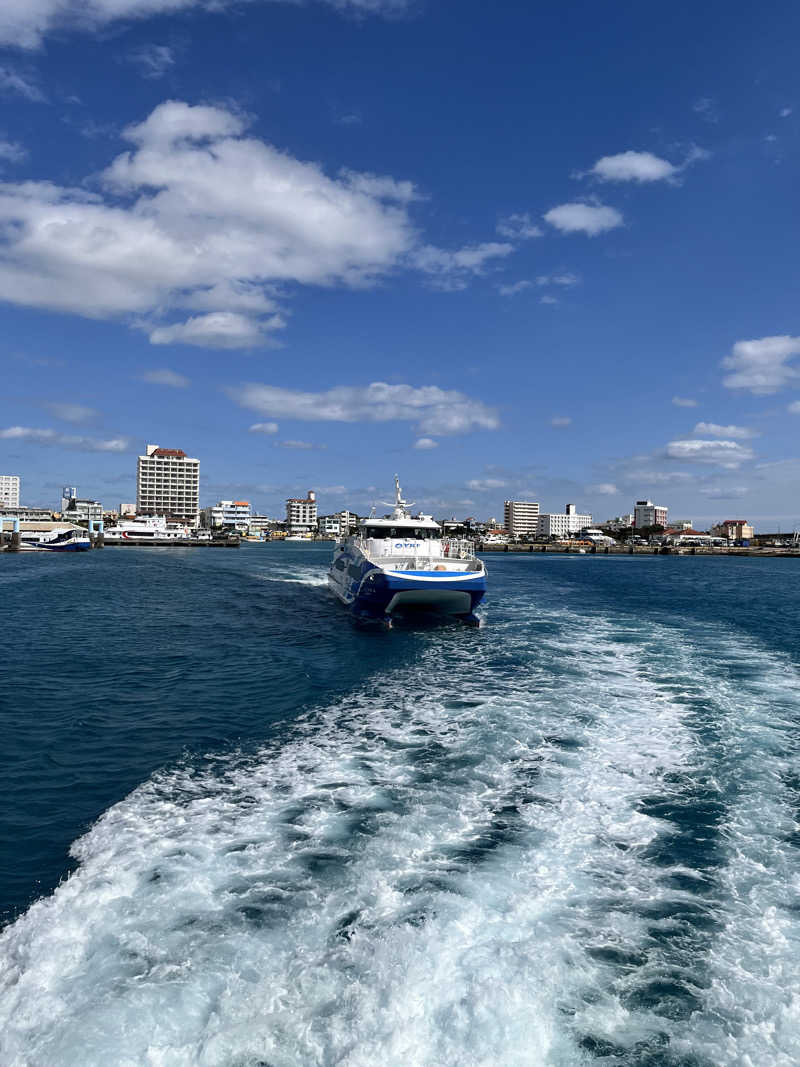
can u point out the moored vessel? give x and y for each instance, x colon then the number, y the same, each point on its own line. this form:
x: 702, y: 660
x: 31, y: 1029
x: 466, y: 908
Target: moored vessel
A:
x: 402, y: 563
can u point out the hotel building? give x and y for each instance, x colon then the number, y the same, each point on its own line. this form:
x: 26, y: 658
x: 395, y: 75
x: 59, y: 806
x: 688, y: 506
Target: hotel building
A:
x: 168, y: 483
x: 9, y: 490
x: 520, y: 517
x: 562, y: 524
x: 301, y: 515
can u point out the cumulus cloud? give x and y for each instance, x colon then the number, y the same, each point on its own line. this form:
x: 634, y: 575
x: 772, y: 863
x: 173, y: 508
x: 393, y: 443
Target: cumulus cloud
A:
x: 728, y: 454
x: 519, y: 227
x: 641, y: 167
x: 482, y: 485
x: 53, y: 437
x: 561, y: 420
x: 197, y: 215
x: 71, y: 412
x: 684, y: 402
x: 24, y: 23
x: 164, y: 376
x: 603, y: 489
x: 713, y: 429
x: 548, y: 299
x: 424, y: 443
x: 264, y: 427
x: 762, y: 366
x: 11, y: 152
x: 436, y: 412
x: 514, y: 287
x: 591, y: 219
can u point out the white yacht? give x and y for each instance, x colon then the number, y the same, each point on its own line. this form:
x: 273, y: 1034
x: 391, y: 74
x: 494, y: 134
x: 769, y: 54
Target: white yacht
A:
x: 403, y: 563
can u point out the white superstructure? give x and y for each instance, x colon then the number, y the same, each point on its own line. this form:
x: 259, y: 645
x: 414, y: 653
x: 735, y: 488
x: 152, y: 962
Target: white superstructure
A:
x: 9, y: 490
x: 168, y: 483
x: 520, y: 517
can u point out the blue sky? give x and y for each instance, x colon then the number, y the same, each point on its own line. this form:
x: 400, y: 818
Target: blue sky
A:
x: 520, y: 250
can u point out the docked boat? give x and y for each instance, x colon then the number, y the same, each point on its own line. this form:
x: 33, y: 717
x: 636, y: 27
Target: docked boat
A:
x: 147, y: 530
x: 53, y: 537
x: 402, y: 563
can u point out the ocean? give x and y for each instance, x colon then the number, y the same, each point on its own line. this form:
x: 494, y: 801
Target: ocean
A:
x: 238, y: 831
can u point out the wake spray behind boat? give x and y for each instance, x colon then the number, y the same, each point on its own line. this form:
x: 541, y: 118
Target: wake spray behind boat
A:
x: 403, y: 563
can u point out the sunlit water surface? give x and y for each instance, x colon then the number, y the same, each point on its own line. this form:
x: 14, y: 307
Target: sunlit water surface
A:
x: 237, y: 830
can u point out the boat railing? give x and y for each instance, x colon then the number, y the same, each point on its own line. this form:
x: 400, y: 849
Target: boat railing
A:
x: 457, y: 548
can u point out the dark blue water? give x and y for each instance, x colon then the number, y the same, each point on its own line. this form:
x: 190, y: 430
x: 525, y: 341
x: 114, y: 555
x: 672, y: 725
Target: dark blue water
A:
x: 255, y: 834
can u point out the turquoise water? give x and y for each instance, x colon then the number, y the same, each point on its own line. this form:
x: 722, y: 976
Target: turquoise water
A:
x: 236, y: 830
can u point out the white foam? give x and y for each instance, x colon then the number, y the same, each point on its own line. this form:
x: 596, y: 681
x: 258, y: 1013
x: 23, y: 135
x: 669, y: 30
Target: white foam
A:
x: 449, y: 867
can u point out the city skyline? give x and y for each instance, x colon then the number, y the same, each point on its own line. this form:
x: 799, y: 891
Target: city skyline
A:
x: 508, y: 254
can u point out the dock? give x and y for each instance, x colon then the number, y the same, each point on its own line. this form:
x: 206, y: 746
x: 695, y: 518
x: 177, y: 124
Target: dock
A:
x: 644, y: 550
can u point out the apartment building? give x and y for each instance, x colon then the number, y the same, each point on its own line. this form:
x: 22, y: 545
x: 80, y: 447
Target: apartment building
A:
x: 520, y: 517
x: 168, y: 483
x: 646, y: 513
x: 563, y: 523
x: 233, y: 514
x: 301, y: 515
x: 9, y: 490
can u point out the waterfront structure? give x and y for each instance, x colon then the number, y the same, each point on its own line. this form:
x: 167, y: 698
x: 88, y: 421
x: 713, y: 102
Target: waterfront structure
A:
x: 233, y: 514
x: 563, y: 524
x: 168, y: 483
x: 26, y: 514
x: 82, y: 510
x: 259, y: 523
x: 520, y: 517
x: 9, y: 490
x: 301, y: 515
x: 734, y: 530
x: 646, y: 513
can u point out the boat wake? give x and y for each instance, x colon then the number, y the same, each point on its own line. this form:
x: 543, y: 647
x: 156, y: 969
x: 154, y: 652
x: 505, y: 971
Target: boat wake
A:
x: 541, y: 848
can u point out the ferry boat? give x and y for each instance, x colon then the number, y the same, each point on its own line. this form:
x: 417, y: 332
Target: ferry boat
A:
x: 147, y: 529
x: 53, y: 537
x: 403, y: 563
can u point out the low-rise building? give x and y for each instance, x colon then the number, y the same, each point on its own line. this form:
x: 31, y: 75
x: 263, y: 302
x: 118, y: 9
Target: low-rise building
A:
x: 9, y: 490
x: 682, y: 536
x: 329, y: 526
x: 681, y: 524
x: 619, y: 522
x: 563, y: 524
x: 646, y: 513
x: 520, y: 517
x: 227, y: 514
x: 27, y: 514
x: 734, y: 530
x: 79, y: 510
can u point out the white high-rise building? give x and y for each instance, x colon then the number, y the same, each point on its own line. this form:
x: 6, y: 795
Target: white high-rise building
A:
x: 9, y: 490
x: 168, y: 483
x: 301, y: 515
x: 520, y: 517
x: 562, y: 524
x: 646, y: 513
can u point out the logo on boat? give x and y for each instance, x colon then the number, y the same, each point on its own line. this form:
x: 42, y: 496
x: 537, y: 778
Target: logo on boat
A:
x: 405, y: 544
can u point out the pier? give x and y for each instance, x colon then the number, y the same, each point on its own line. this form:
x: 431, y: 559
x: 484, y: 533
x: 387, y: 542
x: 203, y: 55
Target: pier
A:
x: 643, y: 550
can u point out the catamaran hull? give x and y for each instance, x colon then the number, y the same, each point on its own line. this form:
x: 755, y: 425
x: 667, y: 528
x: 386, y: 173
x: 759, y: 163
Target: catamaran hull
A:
x: 377, y: 594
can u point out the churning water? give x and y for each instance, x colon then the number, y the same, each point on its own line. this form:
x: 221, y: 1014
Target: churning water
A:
x: 569, y: 837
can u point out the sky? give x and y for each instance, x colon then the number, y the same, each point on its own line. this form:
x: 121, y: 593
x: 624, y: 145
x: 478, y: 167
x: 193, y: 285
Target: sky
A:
x: 507, y: 251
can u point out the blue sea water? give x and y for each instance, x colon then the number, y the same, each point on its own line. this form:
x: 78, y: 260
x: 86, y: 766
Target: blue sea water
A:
x: 237, y: 830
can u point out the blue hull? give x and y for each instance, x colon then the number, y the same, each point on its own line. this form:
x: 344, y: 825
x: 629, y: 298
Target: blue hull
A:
x: 380, y: 593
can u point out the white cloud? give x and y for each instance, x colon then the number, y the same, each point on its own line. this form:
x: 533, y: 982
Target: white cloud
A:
x: 199, y: 216
x: 706, y: 108
x: 547, y: 299
x: 426, y: 443
x: 603, y: 489
x: 566, y: 279
x: 633, y: 167
x: 561, y: 420
x: 728, y: 454
x: 15, y: 83
x: 153, y: 60
x: 723, y: 492
x: 71, y: 412
x: 591, y: 219
x: 218, y: 329
x: 794, y: 407
x: 264, y: 427
x: 761, y: 366
x: 298, y: 444
x: 11, y: 152
x: 519, y: 227
x: 436, y: 412
x: 684, y: 402
x: 483, y: 485
x: 24, y: 23
x: 452, y: 269
x: 53, y: 437
x: 785, y: 112
x: 641, y: 167
x: 514, y: 287
x: 165, y: 377
x: 713, y: 429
